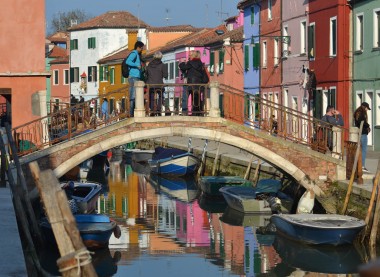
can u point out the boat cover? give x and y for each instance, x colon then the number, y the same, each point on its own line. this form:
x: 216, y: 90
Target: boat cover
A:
x: 163, y: 153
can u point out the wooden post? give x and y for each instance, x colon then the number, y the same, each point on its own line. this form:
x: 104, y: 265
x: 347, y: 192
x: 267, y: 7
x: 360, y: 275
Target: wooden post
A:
x: 246, y: 176
x: 349, y: 189
x: 203, y: 160
x: 24, y: 190
x: 49, y: 189
x: 256, y: 177
x: 216, y: 160
x: 376, y: 218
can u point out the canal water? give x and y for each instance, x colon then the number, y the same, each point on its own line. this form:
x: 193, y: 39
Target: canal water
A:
x: 170, y: 229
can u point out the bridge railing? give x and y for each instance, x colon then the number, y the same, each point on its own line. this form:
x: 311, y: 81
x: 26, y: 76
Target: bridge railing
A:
x: 283, y: 122
x: 180, y: 99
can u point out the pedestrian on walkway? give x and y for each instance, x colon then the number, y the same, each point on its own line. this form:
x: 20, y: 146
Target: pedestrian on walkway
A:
x: 360, y: 115
x: 135, y: 68
x: 105, y: 110
x: 334, y: 118
x: 156, y: 71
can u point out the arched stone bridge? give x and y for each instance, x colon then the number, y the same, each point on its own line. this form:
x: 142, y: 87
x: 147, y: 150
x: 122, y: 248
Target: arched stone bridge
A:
x: 306, y: 166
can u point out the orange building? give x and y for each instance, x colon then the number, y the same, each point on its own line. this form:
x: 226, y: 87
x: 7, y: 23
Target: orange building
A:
x: 22, y: 67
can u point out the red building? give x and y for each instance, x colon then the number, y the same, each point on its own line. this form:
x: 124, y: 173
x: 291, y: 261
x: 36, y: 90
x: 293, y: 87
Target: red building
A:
x: 271, y: 43
x: 329, y: 55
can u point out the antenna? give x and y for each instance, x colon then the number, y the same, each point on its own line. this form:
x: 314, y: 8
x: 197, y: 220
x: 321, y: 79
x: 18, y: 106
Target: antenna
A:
x: 221, y: 13
x: 167, y: 16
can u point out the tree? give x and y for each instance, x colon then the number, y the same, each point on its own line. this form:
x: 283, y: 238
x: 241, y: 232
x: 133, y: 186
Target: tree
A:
x: 64, y: 20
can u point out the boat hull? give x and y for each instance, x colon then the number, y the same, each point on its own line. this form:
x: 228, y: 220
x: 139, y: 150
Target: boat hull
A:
x: 318, y: 228
x: 85, y: 196
x: 211, y: 185
x: 181, y: 165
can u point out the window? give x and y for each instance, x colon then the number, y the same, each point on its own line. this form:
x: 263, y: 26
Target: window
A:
x: 311, y: 42
x: 221, y: 61
x: 376, y: 29
x: 171, y: 71
x: 176, y: 69
x: 256, y: 55
x: 265, y: 58
x: 246, y: 57
x: 112, y: 76
x: 333, y: 36
x: 103, y: 73
x: 56, y: 77
x: 92, y: 74
x: 269, y: 10
x: 66, y: 77
x: 303, y: 38
x: 359, y: 33
x: 275, y: 54
x: 74, y: 44
x: 252, y: 15
x: 330, y: 97
x: 74, y: 74
x: 212, y: 63
x: 285, y: 44
x: 91, y: 43
x: 123, y: 80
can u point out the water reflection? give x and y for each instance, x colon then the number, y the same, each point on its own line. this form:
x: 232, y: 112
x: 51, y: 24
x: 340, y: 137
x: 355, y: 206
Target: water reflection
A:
x: 169, y: 229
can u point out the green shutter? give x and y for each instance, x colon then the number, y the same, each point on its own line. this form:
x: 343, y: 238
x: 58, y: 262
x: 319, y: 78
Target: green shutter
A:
x: 89, y: 43
x: 252, y: 15
x: 256, y: 55
x: 212, y: 63
x: 101, y: 73
x: 246, y: 57
x: 71, y: 74
x: 71, y: 44
x: 93, y: 42
x: 221, y: 61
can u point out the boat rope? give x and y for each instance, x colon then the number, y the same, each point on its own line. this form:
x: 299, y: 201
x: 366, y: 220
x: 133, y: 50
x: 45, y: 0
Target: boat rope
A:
x: 83, y: 257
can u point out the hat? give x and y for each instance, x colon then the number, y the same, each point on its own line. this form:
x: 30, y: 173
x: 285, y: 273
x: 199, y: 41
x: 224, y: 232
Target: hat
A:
x: 365, y: 104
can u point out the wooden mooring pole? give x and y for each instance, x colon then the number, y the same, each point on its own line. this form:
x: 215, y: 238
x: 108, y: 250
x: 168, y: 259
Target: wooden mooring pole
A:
x: 215, y: 160
x: 246, y: 176
x: 75, y: 259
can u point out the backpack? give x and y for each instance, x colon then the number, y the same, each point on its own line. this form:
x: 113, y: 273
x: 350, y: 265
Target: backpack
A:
x: 205, y: 78
x: 125, y: 68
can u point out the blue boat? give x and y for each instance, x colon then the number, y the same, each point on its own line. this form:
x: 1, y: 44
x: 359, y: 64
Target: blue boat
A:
x: 318, y: 229
x: 211, y: 185
x: 95, y: 229
x: 172, y: 161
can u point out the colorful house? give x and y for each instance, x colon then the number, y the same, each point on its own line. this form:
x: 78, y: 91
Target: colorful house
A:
x: 22, y: 67
x: 93, y: 40
x: 366, y: 59
x: 329, y: 55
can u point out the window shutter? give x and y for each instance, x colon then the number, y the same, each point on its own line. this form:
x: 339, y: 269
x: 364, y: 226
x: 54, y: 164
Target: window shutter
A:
x: 246, y: 57
x: 93, y: 42
x: 256, y: 55
x: 101, y: 73
x: 94, y: 73
x: 221, y: 61
x: 252, y: 15
x: 176, y: 69
x: 89, y: 43
x: 71, y: 74
x: 212, y: 62
x: 71, y: 44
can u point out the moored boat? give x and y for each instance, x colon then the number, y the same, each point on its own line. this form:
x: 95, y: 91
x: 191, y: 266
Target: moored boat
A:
x: 172, y: 161
x: 331, y: 229
x: 210, y: 185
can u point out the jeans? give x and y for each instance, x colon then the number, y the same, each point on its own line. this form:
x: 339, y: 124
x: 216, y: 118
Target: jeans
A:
x: 132, y: 94
x: 364, y: 145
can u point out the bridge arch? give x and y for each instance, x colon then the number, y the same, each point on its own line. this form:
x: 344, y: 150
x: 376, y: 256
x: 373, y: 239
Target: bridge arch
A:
x: 304, y: 165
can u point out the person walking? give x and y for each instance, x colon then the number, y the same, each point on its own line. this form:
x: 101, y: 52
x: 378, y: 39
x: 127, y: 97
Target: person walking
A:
x: 360, y: 115
x: 333, y: 118
x: 105, y: 110
x: 156, y: 71
x: 196, y: 74
x: 135, y: 67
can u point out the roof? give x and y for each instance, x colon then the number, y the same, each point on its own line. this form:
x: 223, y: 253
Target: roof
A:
x: 61, y: 60
x: 57, y: 52
x: 244, y: 3
x: 112, y: 19
x: 236, y: 35
x: 59, y: 37
x: 119, y: 54
x: 176, y: 28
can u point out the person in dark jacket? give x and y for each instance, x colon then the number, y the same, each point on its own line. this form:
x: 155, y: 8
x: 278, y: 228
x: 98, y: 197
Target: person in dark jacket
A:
x: 194, y: 70
x: 333, y: 118
x: 156, y: 71
x: 360, y: 115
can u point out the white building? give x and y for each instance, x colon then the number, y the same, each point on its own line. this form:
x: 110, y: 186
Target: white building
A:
x: 94, y: 39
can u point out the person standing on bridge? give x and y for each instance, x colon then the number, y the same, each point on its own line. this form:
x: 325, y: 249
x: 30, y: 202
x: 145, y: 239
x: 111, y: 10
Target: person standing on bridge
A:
x: 360, y: 115
x: 105, y: 110
x: 156, y: 71
x: 334, y: 118
x: 134, y: 63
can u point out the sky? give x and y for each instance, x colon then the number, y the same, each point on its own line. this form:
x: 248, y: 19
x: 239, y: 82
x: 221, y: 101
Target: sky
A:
x: 198, y: 13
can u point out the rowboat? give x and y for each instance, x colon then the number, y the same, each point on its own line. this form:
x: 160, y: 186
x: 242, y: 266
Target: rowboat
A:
x: 331, y: 229
x: 210, y: 185
x: 137, y: 155
x: 264, y: 198
x: 95, y: 229
x: 84, y: 195
x: 172, y: 161
x: 328, y: 259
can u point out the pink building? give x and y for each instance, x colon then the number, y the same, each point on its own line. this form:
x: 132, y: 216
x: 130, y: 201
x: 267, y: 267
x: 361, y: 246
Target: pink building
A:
x: 22, y: 67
